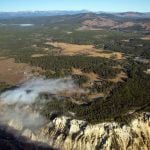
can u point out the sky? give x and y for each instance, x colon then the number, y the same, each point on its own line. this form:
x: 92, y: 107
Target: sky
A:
x: 92, y: 5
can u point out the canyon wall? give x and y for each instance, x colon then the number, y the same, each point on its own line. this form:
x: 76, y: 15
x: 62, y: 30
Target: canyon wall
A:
x: 70, y: 134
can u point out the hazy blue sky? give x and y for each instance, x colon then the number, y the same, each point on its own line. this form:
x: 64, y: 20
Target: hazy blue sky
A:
x: 94, y: 5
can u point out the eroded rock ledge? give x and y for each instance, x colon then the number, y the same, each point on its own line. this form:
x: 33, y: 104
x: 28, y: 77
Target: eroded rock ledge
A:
x: 67, y: 134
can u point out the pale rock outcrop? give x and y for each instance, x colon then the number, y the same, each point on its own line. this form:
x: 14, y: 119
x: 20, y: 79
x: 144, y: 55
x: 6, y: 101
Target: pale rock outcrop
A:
x: 16, y: 124
x: 69, y: 134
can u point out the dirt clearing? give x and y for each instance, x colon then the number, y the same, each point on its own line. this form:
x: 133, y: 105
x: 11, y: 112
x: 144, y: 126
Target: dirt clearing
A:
x: 92, y: 77
x: 88, y: 50
x: 38, y: 55
x: 119, y: 78
x: 146, y: 38
x: 13, y: 73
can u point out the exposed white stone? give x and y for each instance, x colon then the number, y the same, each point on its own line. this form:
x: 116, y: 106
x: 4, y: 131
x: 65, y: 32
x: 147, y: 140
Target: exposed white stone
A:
x: 16, y: 124
x: 66, y: 133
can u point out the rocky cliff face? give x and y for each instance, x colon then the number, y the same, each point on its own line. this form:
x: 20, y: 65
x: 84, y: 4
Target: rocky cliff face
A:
x: 66, y: 134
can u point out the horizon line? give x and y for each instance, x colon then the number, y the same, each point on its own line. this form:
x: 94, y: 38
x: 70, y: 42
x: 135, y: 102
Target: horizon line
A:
x: 74, y: 11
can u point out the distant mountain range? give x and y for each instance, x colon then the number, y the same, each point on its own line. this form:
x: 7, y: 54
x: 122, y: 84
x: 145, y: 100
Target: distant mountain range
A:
x: 38, y: 13
x: 7, y: 15
x: 134, y: 14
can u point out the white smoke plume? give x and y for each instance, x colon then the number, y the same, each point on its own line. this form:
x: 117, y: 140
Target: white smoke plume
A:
x: 28, y: 92
x: 16, y: 105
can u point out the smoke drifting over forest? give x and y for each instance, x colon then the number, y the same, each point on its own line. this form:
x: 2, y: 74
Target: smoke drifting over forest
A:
x: 28, y: 92
x: 17, y: 104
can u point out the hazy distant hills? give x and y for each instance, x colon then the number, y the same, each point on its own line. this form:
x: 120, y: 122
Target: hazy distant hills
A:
x: 134, y: 14
x: 79, y: 20
x: 5, y: 15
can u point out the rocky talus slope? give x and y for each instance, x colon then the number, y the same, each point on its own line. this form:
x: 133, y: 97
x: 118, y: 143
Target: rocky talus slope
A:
x: 69, y: 134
